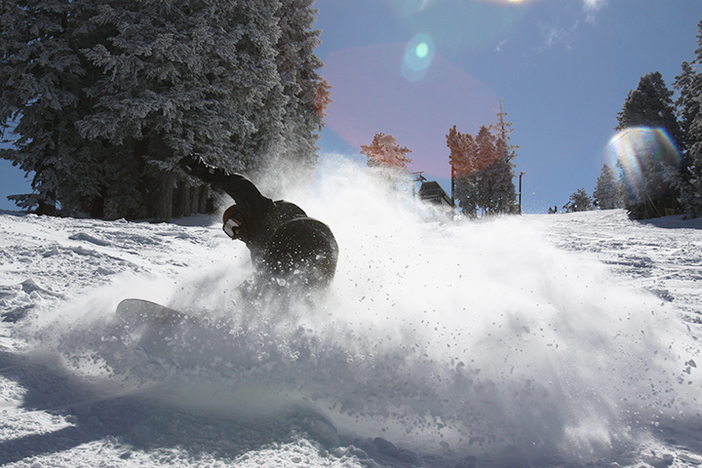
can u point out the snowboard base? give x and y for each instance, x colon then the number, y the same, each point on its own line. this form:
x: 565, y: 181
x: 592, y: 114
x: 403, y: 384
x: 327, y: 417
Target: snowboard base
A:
x: 134, y: 312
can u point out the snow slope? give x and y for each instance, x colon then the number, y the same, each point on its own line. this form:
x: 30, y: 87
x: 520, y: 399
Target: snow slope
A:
x: 554, y: 340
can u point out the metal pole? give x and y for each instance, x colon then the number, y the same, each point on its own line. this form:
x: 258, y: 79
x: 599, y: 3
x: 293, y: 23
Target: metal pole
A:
x: 520, y: 192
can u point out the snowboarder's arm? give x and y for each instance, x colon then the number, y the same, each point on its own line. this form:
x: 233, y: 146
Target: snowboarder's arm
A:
x: 241, y: 189
x: 244, y: 193
x: 196, y: 167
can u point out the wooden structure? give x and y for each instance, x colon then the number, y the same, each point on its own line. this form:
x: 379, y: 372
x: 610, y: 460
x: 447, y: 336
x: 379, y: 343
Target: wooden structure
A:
x: 432, y: 192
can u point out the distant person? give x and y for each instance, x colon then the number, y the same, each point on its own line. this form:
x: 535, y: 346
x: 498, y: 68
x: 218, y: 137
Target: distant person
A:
x: 289, y: 250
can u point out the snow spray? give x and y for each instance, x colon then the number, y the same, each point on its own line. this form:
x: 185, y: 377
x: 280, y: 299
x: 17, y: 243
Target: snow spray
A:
x: 444, y: 337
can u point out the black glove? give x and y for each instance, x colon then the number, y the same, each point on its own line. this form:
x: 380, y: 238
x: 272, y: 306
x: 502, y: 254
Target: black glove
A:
x: 196, y: 167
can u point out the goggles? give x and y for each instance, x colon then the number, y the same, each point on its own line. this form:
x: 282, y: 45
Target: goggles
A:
x: 232, y: 224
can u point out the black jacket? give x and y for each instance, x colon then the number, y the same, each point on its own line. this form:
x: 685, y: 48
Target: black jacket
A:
x: 262, y: 216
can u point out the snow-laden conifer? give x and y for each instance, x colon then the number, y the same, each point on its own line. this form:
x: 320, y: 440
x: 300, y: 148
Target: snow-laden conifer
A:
x: 608, y: 193
x: 297, y: 66
x: 689, y: 104
x: 579, y: 201
x: 41, y: 88
x: 110, y: 95
x: 482, y: 169
x: 465, y: 174
x: 184, y: 77
x: 653, y: 191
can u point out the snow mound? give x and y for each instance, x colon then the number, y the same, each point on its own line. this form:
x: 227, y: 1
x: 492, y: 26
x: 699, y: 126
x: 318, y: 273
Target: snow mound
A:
x: 536, y: 340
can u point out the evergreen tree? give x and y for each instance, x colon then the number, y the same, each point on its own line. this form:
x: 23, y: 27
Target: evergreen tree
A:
x: 482, y: 169
x: 489, y: 151
x: 322, y: 98
x: 384, y: 151
x: 464, y: 170
x: 111, y: 94
x: 497, y: 194
x: 297, y: 65
x: 579, y: 201
x: 501, y: 176
x: 650, y: 105
x: 608, y: 193
x: 689, y: 84
x: 185, y: 77
x: 42, y: 77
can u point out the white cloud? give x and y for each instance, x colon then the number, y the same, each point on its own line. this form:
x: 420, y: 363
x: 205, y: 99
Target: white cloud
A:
x: 591, y: 7
x: 563, y: 29
x: 554, y: 35
x: 595, y: 5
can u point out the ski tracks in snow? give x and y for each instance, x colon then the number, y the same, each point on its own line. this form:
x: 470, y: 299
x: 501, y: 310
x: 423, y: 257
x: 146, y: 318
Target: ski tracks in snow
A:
x: 51, y: 418
x: 44, y: 260
x: 662, y: 256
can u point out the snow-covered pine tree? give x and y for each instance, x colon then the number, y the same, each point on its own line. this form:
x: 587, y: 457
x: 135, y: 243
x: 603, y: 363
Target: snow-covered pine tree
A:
x: 386, y: 152
x: 42, y: 78
x: 483, y: 169
x: 650, y: 105
x: 464, y: 170
x: 501, y: 172
x: 608, y: 192
x: 689, y: 84
x: 182, y: 77
x: 490, y: 151
x: 297, y: 65
x: 109, y: 95
x: 579, y: 201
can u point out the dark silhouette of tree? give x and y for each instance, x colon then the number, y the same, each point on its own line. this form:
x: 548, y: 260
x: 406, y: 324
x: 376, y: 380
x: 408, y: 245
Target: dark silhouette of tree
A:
x: 579, y: 201
x: 482, y: 169
x: 109, y: 96
x: 689, y: 84
x: 465, y: 174
x: 652, y: 190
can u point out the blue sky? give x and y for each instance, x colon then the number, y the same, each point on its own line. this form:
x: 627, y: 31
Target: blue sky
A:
x: 562, y: 69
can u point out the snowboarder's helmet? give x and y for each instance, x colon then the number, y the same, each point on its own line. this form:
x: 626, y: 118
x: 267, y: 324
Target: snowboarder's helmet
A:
x: 233, y: 220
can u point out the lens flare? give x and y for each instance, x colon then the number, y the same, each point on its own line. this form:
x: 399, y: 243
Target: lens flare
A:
x: 371, y: 95
x: 422, y: 50
x: 419, y: 53
x: 648, y: 160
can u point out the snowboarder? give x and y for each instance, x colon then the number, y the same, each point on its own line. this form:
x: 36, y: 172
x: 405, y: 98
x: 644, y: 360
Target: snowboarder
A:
x: 287, y: 247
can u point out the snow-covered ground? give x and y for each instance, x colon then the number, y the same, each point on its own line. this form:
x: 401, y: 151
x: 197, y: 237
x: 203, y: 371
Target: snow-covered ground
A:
x: 554, y: 340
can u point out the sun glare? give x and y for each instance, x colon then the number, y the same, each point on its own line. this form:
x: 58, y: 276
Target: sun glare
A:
x: 646, y: 157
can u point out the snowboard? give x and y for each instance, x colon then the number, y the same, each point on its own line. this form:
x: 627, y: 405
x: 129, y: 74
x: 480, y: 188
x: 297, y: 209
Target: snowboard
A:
x: 135, y: 312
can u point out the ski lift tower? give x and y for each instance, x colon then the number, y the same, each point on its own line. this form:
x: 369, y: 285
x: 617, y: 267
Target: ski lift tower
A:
x: 418, y: 177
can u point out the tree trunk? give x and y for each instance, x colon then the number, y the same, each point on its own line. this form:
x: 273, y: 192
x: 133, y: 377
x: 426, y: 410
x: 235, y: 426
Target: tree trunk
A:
x: 164, y: 207
x: 185, y: 200
x: 204, y: 199
x: 194, y: 199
